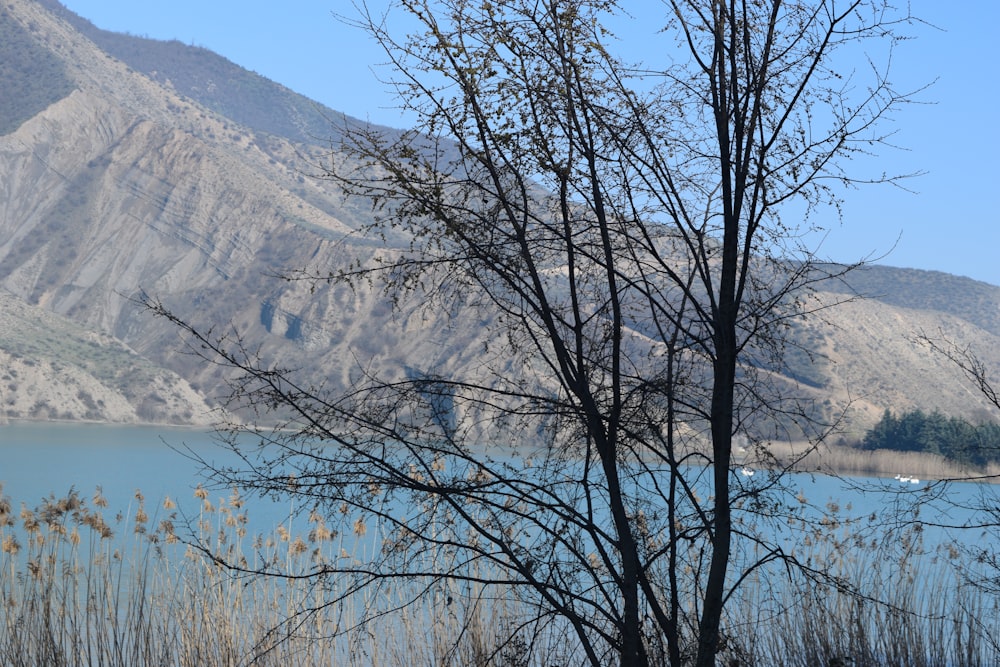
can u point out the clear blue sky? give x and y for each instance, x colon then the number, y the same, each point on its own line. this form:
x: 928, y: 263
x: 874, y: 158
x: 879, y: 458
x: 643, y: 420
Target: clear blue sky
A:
x: 951, y: 224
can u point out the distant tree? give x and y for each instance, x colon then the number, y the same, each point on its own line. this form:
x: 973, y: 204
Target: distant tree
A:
x: 882, y: 434
x: 934, y: 433
x: 619, y: 228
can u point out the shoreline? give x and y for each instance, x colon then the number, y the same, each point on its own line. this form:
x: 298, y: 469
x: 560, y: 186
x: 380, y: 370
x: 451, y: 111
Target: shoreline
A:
x: 836, y: 460
x: 882, y: 463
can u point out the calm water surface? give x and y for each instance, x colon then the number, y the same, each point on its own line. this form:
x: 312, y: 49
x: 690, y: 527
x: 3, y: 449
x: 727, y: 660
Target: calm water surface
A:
x: 39, y: 459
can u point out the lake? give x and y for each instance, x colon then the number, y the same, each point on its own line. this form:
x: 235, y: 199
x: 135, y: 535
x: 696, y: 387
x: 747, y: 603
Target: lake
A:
x: 38, y: 459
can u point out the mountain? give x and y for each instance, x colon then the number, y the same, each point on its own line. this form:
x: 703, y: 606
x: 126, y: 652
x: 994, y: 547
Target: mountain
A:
x: 132, y: 166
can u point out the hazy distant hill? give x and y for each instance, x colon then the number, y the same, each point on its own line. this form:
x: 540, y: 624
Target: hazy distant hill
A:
x: 969, y: 299
x: 128, y: 164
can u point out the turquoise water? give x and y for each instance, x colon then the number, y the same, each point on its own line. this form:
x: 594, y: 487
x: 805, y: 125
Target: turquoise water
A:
x: 42, y: 459
x: 39, y: 459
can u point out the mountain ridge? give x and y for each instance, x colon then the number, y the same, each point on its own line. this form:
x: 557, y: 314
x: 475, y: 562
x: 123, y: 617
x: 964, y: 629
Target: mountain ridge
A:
x: 136, y: 181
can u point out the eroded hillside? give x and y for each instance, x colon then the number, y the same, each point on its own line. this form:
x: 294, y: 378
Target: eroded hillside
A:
x: 129, y: 180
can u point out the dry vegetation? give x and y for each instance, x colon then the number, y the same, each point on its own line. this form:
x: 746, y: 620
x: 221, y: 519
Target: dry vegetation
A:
x: 846, y: 460
x: 82, y: 587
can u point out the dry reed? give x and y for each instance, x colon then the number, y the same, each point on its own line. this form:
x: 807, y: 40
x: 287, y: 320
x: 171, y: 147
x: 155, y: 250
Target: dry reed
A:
x: 79, y: 588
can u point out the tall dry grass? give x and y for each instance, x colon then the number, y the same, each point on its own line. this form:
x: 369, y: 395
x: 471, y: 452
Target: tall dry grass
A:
x: 80, y: 586
x: 845, y: 460
x: 893, y: 602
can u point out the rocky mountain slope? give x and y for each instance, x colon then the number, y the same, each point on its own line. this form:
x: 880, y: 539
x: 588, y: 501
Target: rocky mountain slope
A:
x: 54, y: 369
x: 129, y: 166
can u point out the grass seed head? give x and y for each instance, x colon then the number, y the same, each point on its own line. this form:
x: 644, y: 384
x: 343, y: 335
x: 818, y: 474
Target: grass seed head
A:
x: 10, y: 545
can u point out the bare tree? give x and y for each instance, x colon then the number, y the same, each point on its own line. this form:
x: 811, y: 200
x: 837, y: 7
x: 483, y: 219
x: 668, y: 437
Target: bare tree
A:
x: 618, y: 228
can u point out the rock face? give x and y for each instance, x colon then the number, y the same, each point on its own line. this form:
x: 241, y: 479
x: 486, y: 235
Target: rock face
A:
x: 121, y: 179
